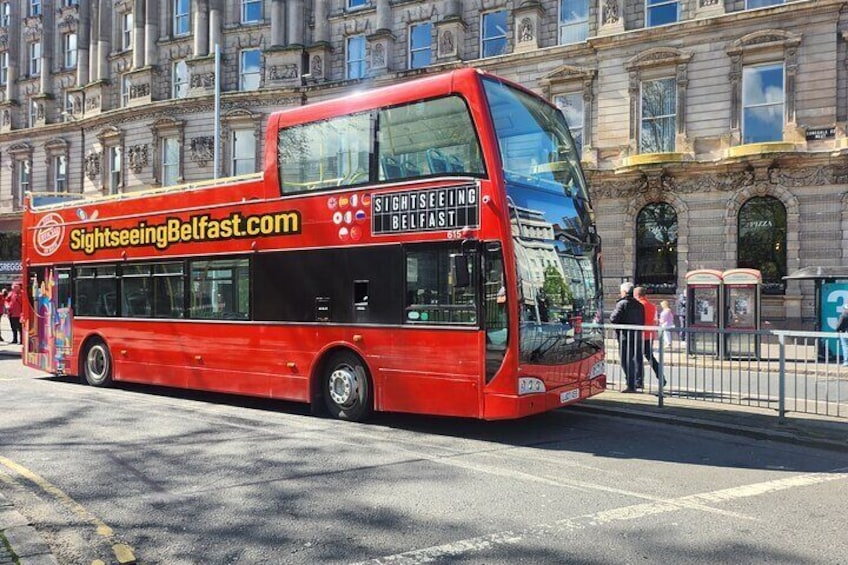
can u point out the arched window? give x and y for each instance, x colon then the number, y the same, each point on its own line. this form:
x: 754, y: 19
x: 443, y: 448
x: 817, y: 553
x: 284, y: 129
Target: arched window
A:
x: 762, y: 241
x: 656, y: 248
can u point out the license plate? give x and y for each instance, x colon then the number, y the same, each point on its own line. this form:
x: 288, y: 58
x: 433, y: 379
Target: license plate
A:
x: 569, y: 396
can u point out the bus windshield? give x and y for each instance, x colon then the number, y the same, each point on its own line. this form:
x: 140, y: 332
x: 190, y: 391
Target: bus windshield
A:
x: 552, y: 223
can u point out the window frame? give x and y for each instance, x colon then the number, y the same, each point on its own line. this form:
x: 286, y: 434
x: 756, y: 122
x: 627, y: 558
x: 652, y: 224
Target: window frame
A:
x: 744, y: 106
x: 484, y: 39
x: 250, y: 157
x: 660, y: 117
x: 575, y: 24
x: 244, y: 76
x: 178, y: 85
x: 651, y: 6
x: 34, y: 58
x: 60, y: 173
x: 5, y: 14
x: 578, y: 140
x: 173, y: 142
x: 116, y: 175
x: 180, y: 20
x: 668, y: 285
x: 34, y: 8
x: 770, y: 285
x: 359, y: 63
x: 416, y: 50
x: 4, y: 67
x: 69, y: 49
x: 765, y: 5
x: 245, y: 7
x: 127, y: 25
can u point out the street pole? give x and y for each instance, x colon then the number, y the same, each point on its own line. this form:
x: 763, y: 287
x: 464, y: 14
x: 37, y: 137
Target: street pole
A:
x: 217, y: 142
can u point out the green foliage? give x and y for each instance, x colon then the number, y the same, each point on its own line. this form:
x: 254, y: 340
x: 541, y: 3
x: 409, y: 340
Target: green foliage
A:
x: 555, y: 287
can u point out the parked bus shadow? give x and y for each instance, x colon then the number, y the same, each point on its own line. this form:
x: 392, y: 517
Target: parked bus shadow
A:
x: 572, y: 429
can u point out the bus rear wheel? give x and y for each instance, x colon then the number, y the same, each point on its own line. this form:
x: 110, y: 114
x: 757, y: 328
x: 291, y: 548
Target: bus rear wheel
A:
x: 347, y: 388
x: 97, y: 364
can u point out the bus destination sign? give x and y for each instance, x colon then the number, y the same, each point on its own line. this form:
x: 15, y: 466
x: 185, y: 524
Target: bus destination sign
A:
x: 427, y: 210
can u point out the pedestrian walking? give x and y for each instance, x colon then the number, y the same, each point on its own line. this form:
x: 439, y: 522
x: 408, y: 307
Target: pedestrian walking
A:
x: 14, y: 308
x: 666, y: 322
x: 842, y: 328
x: 648, y: 336
x: 3, y: 294
x: 628, y: 311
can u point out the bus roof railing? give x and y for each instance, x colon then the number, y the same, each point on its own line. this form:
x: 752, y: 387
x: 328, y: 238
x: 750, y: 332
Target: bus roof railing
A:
x: 48, y: 200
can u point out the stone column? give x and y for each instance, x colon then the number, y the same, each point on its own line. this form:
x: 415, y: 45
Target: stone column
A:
x: 93, y: 21
x: 384, y: 16
x: 278, y: 22
x: 201, y: 28
x: 138, y: 34
x: 296, y: 22
x: 322, y: 29
x: 215, y: 35
x: 151, y: 32
x: 104, y: 45
x: 83, y: 40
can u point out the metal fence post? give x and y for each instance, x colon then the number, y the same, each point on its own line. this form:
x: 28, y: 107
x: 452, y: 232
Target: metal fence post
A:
x: 661, y: 376
x: 781, y: 380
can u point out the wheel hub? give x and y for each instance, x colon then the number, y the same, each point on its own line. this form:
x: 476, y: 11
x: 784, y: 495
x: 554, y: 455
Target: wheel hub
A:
x: 343, y: 386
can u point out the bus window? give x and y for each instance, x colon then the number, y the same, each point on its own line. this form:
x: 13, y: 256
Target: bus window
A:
x: 433, y: 137
x: 220, y: 289
x: 168, y: 285
x: 432, y: 296
x: 495, y: 309
x: 136, y: 291
x: 96, y: 291
x: 325, y: 154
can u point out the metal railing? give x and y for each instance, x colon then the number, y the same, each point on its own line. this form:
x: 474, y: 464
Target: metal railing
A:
x: 788, y: 371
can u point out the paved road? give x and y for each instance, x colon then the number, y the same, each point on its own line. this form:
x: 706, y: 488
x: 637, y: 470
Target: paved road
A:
x: 189, y: 478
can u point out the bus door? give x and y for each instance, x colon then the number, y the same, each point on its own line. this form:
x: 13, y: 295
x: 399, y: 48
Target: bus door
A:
x: 47, y: 325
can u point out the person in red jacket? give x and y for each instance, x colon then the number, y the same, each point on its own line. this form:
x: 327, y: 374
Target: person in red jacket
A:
x: 14, y: 308
x: 649, y: 336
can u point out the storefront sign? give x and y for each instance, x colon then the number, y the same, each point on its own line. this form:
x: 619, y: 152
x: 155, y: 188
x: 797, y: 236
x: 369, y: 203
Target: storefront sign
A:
x: 434, y: 209
x: 814, y: 134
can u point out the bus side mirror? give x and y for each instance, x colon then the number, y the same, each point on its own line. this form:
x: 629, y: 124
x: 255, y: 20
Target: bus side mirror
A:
x: 460, y: 271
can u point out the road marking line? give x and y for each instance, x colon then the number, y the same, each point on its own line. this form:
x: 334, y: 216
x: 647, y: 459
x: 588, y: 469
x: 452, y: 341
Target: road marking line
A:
x: 625, y: 513
x: 122, y: 552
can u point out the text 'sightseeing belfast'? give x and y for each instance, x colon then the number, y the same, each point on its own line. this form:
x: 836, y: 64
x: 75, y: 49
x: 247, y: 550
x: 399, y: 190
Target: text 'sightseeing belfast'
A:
x: 176, y: 230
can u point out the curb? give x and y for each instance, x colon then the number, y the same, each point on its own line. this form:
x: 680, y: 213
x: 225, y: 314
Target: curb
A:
x: 784, y: 436
x: 19, y: 541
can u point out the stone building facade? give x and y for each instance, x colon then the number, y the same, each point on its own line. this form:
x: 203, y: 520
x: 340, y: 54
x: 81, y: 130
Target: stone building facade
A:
x: 713, y: 132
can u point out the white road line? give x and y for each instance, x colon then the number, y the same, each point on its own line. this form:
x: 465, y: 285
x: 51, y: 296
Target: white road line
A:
x: 622, y: 514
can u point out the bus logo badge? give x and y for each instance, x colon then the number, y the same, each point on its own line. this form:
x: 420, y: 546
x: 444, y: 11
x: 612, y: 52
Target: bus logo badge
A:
x: 49, y: 234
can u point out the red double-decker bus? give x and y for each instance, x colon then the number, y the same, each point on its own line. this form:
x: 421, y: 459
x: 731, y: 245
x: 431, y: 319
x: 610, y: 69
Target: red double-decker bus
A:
x: 426, y: 247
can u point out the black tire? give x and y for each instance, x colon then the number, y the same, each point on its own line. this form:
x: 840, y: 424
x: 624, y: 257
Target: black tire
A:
x: 97, y: 364
x: 346, y: 387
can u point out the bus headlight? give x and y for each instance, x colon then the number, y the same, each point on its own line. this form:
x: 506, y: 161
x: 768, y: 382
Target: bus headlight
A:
x: 529, y: 385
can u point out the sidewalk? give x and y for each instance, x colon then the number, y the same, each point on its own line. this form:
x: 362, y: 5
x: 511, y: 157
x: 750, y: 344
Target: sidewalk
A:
x: 762, y: 423
x: 6, y: 348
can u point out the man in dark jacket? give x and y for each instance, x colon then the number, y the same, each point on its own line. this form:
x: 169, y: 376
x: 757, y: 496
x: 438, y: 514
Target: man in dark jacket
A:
x: 842, y: 328
x: 629, y: 311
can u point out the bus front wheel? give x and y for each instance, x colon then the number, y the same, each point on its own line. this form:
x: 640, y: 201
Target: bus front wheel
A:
x: 97, y: 364
x: 347, y: 389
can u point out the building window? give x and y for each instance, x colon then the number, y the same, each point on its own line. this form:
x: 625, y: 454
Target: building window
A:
x: 127, y: 30
x: 656, y: 248
x: 180, y: 13
x: 571, y: 106
x: 32, y: 115
x: 170, y: 161
x: 493, y: 34
x: 35, y: 58
x: 420, y: 43
x: 125, y: 91
x: 4, y: 67
x: 68, y: 110
x: 5, y: 14
x: 353, y: 4
x: 251, y: 11
x: 660, y: 12
x: 23, y: 178
x: 573, y: 21
x: 356, y: 57
x: 34, y: 8
x: 762, y: 241
x: 752, y: 4
x: 762, y: 103
x: 115, y: 169
x: 179, y: 79
x: 249, y: 74
x: 659, y: 116
x: 244, y: 152
x: 69, y: 50
x: 60, y: 173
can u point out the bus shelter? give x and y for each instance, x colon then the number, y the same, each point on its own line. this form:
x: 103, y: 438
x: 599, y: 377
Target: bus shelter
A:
x: 831, y: 293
